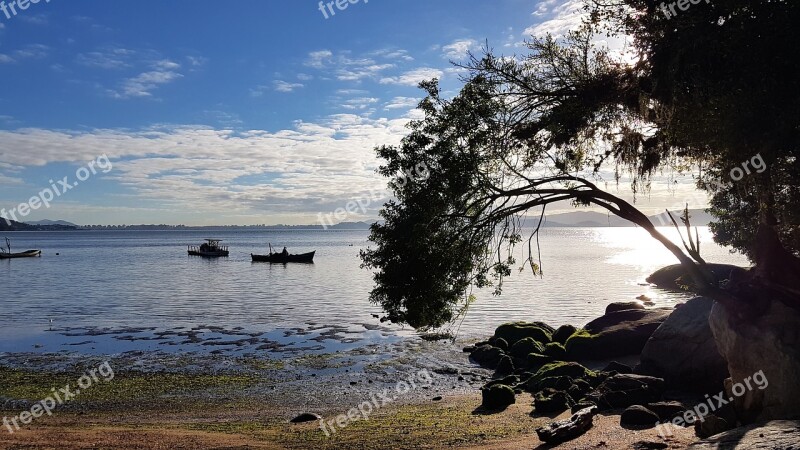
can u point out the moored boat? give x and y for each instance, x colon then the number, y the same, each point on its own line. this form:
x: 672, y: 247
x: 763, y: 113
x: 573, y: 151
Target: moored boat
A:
x: 28, y: 254
x: 210, y: 249
x: 6, y: 253
x: 281, y: 258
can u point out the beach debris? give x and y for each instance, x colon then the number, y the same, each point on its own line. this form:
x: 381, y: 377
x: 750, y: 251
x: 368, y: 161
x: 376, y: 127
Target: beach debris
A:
x: 306, y: 417
x: 568, y: 429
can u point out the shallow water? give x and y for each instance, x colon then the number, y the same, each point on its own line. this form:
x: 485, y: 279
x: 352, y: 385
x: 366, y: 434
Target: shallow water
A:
x: 111, y: 292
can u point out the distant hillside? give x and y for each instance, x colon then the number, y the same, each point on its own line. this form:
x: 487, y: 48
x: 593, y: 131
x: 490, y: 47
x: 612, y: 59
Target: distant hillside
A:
x: 19, y: 226
x: 52, y: 222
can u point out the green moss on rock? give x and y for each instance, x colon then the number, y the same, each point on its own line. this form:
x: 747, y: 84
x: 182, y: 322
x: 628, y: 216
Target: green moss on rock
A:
x: 556, y: 350
x: 516, y: 331
x: 526, y: 346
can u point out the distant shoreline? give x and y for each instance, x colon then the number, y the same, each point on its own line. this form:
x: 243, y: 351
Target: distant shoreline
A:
x: 578, y: 219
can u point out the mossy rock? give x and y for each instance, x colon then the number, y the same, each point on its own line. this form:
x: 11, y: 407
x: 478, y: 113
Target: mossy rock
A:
x: 550, y: 402
x: 556, y: 350
x: 537, y: 360
x: 525, y: 346
x: 579, y: 389
x: 564, y: 369
x: 497, y: 397
x: 557, y: 383
x: 510, y: 380
x: 500, y: 343
x: 516, y: 331
x: 563, y: 333
x: 487, y: 356
x: 504, y: 367
x: 579, y: 343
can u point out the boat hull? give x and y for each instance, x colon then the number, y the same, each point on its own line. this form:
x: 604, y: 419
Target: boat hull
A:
x: 220, y: 254
x: 28, y: 254
x: 279, y: 258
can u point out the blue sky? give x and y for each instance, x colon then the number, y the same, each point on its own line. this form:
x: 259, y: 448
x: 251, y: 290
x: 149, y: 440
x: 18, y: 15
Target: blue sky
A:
x: 227, y: 113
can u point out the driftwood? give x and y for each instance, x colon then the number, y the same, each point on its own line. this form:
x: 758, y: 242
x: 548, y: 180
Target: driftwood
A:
x: 564, y: 430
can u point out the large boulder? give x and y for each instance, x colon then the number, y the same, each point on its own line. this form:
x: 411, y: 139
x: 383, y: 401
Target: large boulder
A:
x: 563, y: 333
x: 551, y: 401
x: 623, y: 306
x: 516, y: 331
x: 624, y: 390
x: 497, y: 397
x: 779, y: 434
x: 763, y: 355
x: 638, y: 415
x: 620, y: 333
x: 526, y: 346
x: 675, y: 277
x: 683, y: 351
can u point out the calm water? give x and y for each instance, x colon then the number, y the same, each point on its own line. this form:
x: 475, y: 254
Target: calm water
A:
x: 145, y: 279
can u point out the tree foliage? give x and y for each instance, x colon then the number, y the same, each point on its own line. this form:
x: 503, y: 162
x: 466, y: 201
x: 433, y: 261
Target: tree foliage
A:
x: 707, y: 89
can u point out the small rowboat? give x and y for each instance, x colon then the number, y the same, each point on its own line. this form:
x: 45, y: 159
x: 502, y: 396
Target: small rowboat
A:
x: 28, y: 254
x: 280, y: 258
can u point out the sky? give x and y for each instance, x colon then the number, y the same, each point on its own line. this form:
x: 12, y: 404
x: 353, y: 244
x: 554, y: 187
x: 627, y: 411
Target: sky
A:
x: 248, y: 112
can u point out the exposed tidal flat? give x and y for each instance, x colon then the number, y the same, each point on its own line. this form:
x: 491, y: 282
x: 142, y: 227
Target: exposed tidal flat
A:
x: 224, y: 352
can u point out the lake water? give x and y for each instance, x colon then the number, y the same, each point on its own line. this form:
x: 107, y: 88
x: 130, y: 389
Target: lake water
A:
x: 124, y: 290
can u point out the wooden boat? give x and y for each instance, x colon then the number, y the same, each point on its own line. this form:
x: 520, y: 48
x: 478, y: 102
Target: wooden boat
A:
x: 6, y: 254
x: 211, y: 249
x: 28, y: 254
x: 280, y: 258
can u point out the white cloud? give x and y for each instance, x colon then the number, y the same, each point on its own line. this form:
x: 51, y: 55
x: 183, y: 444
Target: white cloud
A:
x: 299, y: 172
x: 413, y: 77
x: 283, y: 86
x: 304, y: 77
x: 402, y: 103
x: 459, y: 48
x: 142, y: 85
x: 359, y: 103
x: 393, y: 54
x: 319, y: 59
x: 33, y: 51
x: 361, y: 72
x: 564, y: 17
x: 5, y: 59
x: 115, y: 58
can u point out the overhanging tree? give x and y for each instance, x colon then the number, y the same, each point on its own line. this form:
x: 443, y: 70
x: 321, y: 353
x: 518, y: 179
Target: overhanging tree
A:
x: 524, y: 134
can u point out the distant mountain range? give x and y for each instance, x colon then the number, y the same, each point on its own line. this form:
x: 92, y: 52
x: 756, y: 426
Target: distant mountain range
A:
x: 577, y: 219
